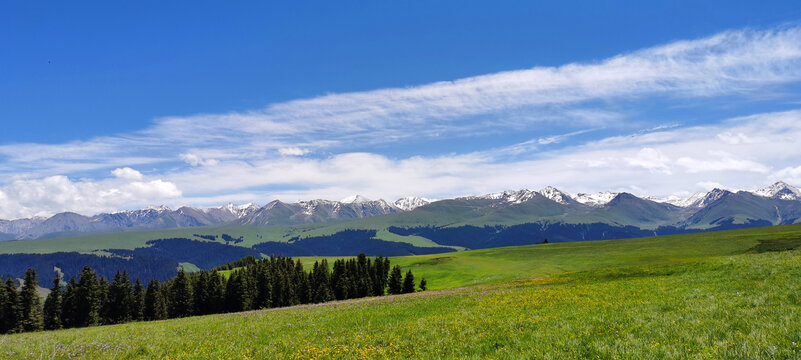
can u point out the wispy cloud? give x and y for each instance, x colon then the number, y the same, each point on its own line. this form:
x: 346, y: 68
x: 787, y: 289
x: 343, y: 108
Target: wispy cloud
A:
x: 309, y: 145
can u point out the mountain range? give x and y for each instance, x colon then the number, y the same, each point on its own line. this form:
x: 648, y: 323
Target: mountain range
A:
x: 779, y: 203
x: 162, y: 217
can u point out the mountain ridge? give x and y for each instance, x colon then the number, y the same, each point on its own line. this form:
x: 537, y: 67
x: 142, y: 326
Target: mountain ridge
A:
x: 604, y: 206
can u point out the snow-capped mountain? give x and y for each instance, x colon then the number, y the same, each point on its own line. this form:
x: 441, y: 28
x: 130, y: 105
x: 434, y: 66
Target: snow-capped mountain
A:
x: 597, y: 199
x: 780, y: 199
x: 411, y: 202
x: 318, y: 211
x: 521, y: 196
x: 693, y: 200
x: 710, y: 197
x: 556, y: 195
x: 355, y: 199
x: 508, y: 196
x: 779, y: 190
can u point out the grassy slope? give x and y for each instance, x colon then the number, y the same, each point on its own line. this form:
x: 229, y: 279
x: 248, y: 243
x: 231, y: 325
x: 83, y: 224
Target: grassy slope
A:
x: 251, y: 236
x: 502, y: 264
x: 134, y: 239
x: 486, y: 266
x: 741, y: 306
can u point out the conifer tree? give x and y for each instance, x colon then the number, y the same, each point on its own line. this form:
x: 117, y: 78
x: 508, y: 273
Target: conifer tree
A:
x: 69, y: 305
x: 301, y: 284
x: 353, y: 278
x: 216, y: 286
x: 277, y: 282
x: 11, y: 308
x: 340, y: 281
x: 251, y: 291
x: 155, y: 302
x: 364, y: 286
x: 395, y: 283
x: 236, y: 298
x: 102, y: 293
x: 380, y: 271
x: 3, y: 299
x: 180, y: 296
x: 423, y: 284
x: 52, y: 306
x: 88, y: 299
x: 200, y: 292
x: 288, y: 295
x: 30, y: 303
x: 321, y: 282
x: 408, y: 283
x: 138, y: 302
x: 264, y: 287
x: 119, y: 305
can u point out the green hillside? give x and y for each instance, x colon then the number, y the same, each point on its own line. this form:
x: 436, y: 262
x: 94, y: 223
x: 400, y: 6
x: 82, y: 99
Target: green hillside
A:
x: 486, y: 266
x: 706, y: 296
x: 739, y: 208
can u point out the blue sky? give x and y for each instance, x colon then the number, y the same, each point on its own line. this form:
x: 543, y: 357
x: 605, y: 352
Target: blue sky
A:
x: 113, y: 106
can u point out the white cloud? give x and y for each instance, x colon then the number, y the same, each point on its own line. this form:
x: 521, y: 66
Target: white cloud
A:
x: 127, y: 173
x: 292, y: 151
x: 195, y: 160
x: 637, y: 163
x: 738, y: 138
x: 651, y: 159
x: 640, y: 163
x: 791, y: 174
x: 709, y: 185
x: 54, y: 194
x: 720, y: 161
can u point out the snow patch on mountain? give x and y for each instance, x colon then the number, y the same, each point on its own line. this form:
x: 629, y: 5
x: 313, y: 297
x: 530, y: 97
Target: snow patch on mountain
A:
x: 160, y: 209
x: 711, y: 197
x: 555, y: 194
x: 597, y: 199
x: 239, y: 211
x: 354, y: 199
x: 681, y: 201
x: 779, y: 190
x: 508, y: 196
x: 410, y: 203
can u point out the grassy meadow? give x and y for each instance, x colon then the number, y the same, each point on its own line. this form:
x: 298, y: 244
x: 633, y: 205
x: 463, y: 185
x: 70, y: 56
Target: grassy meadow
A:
x: 487, y: 266
x: 733, y: 295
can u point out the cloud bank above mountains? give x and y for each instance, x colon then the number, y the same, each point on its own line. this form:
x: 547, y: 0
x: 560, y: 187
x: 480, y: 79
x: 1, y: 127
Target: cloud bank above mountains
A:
x: 667, y: 120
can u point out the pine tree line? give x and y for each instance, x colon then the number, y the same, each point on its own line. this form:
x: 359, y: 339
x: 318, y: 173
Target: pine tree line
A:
x: 279, y: 281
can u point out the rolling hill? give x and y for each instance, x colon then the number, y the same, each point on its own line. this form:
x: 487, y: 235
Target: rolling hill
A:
x: 732, y: 293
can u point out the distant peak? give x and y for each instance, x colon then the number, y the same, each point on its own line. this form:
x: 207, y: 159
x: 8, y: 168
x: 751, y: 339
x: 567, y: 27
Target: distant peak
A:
x: 693, y: 200
x: 555, y: 194
x: 780, y: 190
x: 508, y: 196
x: 355, y: 199
x: 160, y: 208
x: 411, y: 202
x: 232, y: 206
x: 597, y: 199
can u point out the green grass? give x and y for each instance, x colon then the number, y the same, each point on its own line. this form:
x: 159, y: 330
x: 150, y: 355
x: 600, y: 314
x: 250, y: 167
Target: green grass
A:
x: 734, y: 307
x: 134, y: 239
x: 733, y: 295
x: 486, y: 266
x: 251, y: 236
x: 188, y: 267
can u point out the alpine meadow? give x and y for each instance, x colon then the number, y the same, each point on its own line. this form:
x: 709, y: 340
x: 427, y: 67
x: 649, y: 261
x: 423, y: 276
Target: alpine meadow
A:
x: 400, y: 180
